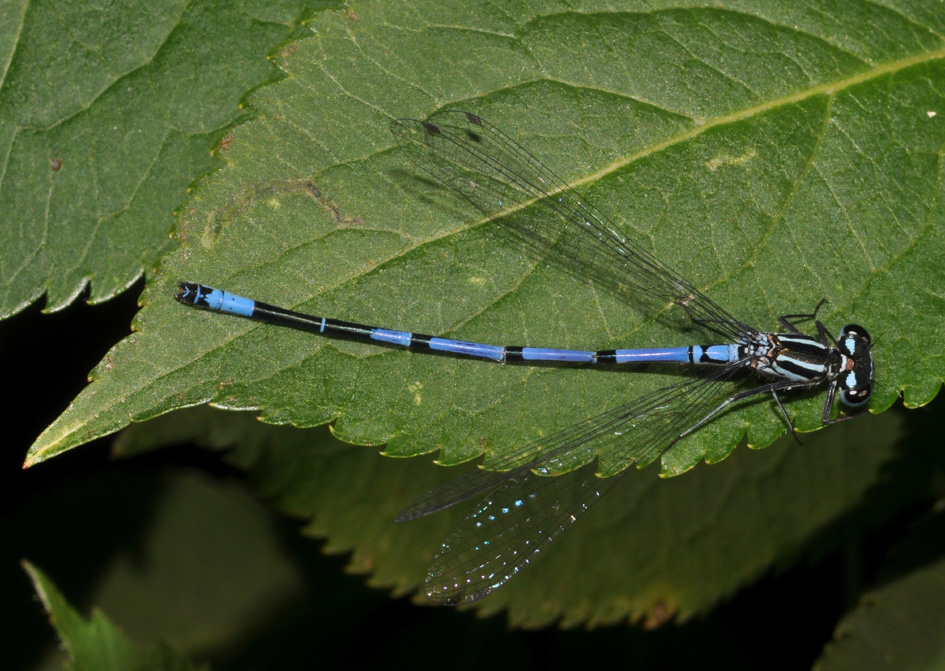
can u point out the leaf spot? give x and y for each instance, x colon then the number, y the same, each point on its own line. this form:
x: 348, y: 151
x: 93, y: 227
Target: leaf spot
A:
x: 726, y: 159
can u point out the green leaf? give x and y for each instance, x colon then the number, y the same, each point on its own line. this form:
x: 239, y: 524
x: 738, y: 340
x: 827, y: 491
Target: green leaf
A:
x: 653, y: 550
x: 772, y: 156
x: 106, y: 114
x: 96, y: 644
x: 898, y: 625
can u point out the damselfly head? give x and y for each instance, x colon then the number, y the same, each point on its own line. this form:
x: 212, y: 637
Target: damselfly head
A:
x: 856, y: 378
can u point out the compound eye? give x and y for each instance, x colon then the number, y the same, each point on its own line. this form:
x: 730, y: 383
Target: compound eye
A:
x: 856, y: 397
x: 856, y: 331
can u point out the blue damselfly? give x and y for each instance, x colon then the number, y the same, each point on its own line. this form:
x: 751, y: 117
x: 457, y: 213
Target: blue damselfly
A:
x: 524, y: 508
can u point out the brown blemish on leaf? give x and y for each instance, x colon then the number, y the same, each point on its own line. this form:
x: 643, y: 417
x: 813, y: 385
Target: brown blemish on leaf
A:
x: 271, y: 192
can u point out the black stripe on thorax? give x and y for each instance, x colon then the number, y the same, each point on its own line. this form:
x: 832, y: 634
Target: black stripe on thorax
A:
x: 803, y: 347
x: 802, y: 370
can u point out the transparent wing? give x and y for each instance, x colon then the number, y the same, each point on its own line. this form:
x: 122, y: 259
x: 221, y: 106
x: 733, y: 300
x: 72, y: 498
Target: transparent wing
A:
x: 528, y: 507
x: 503, y: 180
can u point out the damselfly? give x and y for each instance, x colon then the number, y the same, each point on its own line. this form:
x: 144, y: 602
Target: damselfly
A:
x: 524, y: 508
